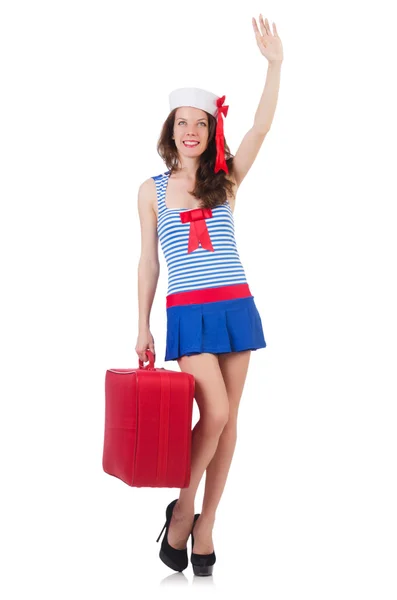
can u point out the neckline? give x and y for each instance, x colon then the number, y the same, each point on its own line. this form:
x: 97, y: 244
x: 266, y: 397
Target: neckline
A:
x: 167, y: 174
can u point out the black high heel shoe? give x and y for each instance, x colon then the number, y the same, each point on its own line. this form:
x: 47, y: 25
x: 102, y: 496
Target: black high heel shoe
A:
x: 172, y: 557
x: 203, y: 564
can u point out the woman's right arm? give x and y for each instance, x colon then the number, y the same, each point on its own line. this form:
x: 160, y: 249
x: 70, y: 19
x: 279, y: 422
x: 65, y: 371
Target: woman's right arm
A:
x: 148, y: 266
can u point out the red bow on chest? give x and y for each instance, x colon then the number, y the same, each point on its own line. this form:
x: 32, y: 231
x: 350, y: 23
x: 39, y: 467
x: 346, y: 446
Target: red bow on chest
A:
x: 198, y: 232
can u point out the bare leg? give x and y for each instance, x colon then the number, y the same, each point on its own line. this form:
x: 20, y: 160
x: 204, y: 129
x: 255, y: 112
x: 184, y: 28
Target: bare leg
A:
x: 211, y: 397
x: 234, y: 368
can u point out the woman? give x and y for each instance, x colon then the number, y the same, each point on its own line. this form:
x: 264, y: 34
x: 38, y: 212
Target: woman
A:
x: 212, y: 321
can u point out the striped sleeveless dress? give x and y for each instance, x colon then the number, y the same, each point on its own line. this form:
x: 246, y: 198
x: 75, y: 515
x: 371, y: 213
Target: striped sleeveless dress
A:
x: 209, y: 305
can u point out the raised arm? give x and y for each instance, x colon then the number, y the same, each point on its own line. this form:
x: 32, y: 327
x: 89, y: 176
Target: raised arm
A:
x: 270, y: 46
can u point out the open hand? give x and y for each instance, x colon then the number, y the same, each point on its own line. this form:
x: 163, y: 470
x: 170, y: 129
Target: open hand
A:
x: 268, y: 43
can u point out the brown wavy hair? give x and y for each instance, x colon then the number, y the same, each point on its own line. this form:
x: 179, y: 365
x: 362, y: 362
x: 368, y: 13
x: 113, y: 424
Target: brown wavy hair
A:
x: 210, y: 187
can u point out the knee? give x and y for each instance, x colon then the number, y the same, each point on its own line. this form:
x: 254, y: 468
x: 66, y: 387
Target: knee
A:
x: 230, y: 428
x: 214, y: 422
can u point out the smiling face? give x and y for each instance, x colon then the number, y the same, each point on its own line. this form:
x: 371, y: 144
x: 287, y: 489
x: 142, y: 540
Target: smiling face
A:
x: 190, y: 125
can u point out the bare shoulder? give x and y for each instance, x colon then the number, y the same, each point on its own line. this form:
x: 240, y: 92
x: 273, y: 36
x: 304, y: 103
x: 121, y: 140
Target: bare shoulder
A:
x: 147, y: 187
x: 147, y: 195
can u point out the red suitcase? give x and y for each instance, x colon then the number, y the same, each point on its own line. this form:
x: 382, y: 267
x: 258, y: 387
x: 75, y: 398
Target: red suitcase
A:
x: 148, y: 425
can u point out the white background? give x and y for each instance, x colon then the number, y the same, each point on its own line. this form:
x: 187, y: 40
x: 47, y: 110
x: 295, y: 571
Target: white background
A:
x: 309, y: 508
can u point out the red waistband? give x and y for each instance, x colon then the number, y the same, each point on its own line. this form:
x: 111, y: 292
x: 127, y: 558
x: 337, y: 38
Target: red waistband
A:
x: 225, y: 292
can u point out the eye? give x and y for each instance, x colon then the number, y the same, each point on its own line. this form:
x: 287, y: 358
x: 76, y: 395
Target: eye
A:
x: 201, y: 123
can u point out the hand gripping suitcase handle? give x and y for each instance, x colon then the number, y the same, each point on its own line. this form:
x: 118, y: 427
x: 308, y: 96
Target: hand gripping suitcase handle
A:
x: 150, y: 366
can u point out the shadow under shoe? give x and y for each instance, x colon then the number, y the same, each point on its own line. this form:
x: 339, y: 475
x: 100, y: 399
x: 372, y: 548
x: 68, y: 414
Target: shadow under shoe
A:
x: 203, y: 564
x: 172, y: 557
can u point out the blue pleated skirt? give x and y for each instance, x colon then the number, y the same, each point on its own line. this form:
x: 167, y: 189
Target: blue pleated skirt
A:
x: 216, y: 327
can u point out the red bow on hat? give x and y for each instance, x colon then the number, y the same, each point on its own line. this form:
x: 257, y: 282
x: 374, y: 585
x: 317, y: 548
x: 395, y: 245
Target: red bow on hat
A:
x: 220, y: 162
x: 198, y: 232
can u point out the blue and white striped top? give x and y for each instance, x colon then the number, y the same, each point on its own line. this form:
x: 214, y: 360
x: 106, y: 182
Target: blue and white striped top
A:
x: 201, y: 268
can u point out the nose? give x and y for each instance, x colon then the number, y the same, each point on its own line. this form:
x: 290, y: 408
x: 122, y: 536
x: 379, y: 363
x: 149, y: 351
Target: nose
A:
x: 193, y: 130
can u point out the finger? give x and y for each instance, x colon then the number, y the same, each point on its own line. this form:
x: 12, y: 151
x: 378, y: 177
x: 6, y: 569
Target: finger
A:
x: 255, y: 26
x: 275, y: 30
x: 257, y: 33
x: 262, y: 25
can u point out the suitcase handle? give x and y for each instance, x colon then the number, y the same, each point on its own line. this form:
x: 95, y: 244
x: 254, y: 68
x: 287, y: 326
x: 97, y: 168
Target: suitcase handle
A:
x: 150, y: 366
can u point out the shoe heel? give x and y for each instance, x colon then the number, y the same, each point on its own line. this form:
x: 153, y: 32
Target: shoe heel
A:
x: 165, y: 525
